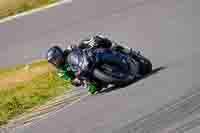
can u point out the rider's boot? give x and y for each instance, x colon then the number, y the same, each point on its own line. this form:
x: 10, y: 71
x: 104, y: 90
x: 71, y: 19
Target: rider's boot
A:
x: 92, y: 88
x: 95, y: 87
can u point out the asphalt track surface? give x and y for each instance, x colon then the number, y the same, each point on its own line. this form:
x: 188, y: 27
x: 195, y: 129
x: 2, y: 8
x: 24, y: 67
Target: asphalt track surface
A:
x: 167, y: 101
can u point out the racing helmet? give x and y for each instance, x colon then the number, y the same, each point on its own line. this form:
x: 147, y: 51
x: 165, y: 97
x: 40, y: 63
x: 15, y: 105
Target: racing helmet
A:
x: 55, y: 56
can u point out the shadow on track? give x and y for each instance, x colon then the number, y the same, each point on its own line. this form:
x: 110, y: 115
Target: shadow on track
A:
x: 154, y: 71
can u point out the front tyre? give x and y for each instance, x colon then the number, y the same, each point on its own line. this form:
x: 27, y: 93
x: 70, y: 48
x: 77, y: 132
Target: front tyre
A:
x: 110, y: 78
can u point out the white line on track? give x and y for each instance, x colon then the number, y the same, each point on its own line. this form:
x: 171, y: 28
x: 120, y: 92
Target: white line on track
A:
x: 34, y: 11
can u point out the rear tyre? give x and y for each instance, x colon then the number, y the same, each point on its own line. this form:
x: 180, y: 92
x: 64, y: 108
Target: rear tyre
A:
x: 145, y: 66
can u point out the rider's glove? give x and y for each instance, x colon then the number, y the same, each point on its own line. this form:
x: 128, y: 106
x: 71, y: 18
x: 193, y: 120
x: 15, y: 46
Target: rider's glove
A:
x: 76, y: 82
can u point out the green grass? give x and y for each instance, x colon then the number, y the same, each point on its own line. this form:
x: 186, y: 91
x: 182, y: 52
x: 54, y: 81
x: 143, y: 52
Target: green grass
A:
x: 22, y: 96
x: 12, y: 7
x: 9, y: 69
x: 12, y: 69
x: 33, y: 4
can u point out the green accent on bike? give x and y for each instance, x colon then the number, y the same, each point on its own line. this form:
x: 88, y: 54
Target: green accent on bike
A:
x: 92, y: 88
x: 66, y: 73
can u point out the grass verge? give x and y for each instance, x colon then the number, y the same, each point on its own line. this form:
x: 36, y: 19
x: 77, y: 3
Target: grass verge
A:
x: 19, y: 97
x: 12, y: 7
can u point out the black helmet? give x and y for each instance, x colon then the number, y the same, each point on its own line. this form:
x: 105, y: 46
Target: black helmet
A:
x: 55, y: 56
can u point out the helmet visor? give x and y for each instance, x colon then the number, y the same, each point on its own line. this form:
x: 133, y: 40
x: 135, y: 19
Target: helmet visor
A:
x: 57, y: 61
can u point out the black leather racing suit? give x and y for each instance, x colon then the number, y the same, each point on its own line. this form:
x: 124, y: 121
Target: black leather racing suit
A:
x: 83, y: 56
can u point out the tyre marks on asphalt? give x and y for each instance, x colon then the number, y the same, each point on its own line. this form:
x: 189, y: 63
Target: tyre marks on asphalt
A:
x: 166, y: 116
x: 186, y: 127
x: 50, y: 108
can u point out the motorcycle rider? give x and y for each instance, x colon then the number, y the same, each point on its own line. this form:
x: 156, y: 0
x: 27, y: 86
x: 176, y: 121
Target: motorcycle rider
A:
x: 73, y: 71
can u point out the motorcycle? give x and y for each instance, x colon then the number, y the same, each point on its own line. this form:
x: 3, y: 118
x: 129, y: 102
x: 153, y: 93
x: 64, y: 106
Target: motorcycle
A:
x: 118, y: 69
